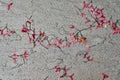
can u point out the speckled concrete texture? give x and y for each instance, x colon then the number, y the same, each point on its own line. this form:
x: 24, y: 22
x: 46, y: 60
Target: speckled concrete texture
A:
x: 54, y: 18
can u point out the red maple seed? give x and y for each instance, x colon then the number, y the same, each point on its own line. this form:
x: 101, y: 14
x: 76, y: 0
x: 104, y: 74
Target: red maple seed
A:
x: 89, y: 58
x: 87, y: 20
x: 9, y: 5
x: 71, y: 76
x: 12, y: 31
x: 15, y: 60
x: 73, y: 39
x: 34, y: 35
x: 1, y: 31
x: 42, y: 34
x: 101, y: 23
x: 85, y: 55
x: 34, y: 43
x: 116, y: 31
x: 40, y: 41
x: 87, y: 52
x: 82, y: 15
x: 72, y: 26
x: 113, y: 25
x: 101, y: 10
x: 108, y: 22
x: 58, y: 42
x: 85, y: 5
x: 26, y: 55
x: 91, y: 27
x: 92, y: 8
x: 102, y: 17
x: 15, y: 57
x: 68, y: 44
x: 7, y: 33
x: 105, y: 76
x: 24, y: 29
x: 98, y: 26
x: 57, y: 69
x: 65, y: 73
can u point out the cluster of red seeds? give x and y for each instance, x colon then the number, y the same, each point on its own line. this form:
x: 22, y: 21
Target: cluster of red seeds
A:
x: 40, y: 37
x: 6, y: 31
x: 32, y: 35
x: 100, y: 20
x: 15, y: 56
x: 65, y: 72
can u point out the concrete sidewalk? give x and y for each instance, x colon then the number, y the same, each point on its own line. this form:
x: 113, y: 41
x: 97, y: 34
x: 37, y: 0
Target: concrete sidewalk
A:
x: 54, y: 17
